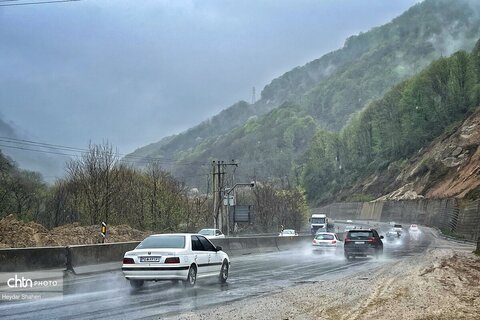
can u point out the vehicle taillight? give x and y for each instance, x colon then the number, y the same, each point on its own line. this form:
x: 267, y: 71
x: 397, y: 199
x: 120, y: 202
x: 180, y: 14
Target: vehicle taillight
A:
x: 333, y: 241
x: 128, y: 261
x: 172, y: 260
x: 314, y: 241
x: 348, y: 240
x: 371, y: 239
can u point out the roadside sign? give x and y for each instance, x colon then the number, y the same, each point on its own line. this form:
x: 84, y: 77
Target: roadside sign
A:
x: 242, y: 213
x: 229, y: 200
x: 104, y: 231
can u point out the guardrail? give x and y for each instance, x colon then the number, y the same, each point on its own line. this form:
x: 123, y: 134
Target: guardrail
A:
x: 72, y: 257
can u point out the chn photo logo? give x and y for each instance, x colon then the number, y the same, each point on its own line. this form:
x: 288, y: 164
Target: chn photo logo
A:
x: 17, y: 282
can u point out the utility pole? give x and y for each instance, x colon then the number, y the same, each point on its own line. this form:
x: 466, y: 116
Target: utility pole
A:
x: 218, y: 179
x: 220, y: 197
x: 217, y: 171
x: 214, y: 193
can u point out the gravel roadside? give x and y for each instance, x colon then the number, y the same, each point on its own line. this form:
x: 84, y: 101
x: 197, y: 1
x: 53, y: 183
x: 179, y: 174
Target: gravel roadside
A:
x: 442, y: 283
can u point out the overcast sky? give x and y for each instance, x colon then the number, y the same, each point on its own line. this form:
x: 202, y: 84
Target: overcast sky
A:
x: 132, y: 72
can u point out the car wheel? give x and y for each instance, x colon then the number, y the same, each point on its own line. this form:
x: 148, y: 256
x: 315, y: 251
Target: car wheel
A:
x: 378, y: 253
x: 136, y: 284
x: 192, y: 277
x: 224, y: 272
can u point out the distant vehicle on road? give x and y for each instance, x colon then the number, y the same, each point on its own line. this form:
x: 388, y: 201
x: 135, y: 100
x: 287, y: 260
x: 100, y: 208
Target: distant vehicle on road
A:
x: 321, y: 230
x: 392, y: 235
x: 330, y: 228
x: 327, y: 241
x: 349, y: 221
x: 398, y: 227
x: 180, y: 256
x: 288, y: 233
x: 349, y: 227
x: 212, y: 233
x: 413, y: 228
x: 320, y: 221
x: 362, y: 242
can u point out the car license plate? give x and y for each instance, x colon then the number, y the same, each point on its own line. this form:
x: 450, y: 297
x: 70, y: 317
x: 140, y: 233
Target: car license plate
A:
x: 359, y: 242
x: 150, y: 259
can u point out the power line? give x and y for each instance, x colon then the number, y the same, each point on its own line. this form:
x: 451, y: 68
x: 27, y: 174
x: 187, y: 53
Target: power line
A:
x: 48, y: 145
x: 127, y: 158
x: 78, y: 156
x: 42, y: 151
x: 67, y: 148
x: 33, y: 3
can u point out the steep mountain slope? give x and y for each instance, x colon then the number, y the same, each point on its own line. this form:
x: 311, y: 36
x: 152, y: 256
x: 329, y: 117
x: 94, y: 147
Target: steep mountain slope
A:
x: 393, y: 52
x: 374, y: 151
x: 222, y: 123
x: 448, y: 167
x: 6, y: 129
x: 48, y: 165
x: 332, y: 88
x: 267, y: 146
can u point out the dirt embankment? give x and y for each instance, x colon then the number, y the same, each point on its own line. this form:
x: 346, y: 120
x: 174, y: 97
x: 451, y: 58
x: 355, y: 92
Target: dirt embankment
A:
x: 19, y: 234
x: 442, y: 284
x: 449, y: 167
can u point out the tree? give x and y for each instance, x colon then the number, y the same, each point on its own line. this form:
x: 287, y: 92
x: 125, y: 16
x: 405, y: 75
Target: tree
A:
x: 96, y: 175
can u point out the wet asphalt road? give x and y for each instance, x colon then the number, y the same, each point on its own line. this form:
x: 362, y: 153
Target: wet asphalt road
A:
x: 108, y: 295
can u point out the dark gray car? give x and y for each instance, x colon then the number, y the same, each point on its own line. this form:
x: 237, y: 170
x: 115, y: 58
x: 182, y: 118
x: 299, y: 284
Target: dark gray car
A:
x: 362, y: 242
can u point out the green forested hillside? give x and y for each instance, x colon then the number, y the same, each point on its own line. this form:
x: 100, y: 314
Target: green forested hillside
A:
x: 267, y: 146
x: 392, y: 53
x: 225, y: 121
x: 395, y: 127
x: 328, y: 90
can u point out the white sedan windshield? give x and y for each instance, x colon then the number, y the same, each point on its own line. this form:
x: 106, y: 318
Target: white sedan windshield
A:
x: 207, y: 232
x: 155, y: 242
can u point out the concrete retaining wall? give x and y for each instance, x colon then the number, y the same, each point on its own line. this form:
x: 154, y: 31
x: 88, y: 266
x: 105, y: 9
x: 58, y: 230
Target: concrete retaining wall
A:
x: 461, y: 217
x: 371, y: 211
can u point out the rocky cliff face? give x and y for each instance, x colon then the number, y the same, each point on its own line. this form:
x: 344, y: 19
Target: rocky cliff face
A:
x: 449, y: 167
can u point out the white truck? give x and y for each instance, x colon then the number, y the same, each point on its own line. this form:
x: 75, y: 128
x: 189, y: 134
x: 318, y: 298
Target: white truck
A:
x: 320, y: 221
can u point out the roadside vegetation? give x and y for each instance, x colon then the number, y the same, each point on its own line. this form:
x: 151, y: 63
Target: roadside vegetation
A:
x: 100, y: 187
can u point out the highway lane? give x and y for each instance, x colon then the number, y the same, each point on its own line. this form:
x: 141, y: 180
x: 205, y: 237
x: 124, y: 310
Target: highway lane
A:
x: 108, y: 295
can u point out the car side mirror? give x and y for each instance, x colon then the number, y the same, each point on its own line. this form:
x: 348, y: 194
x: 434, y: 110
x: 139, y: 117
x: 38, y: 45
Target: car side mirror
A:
x: 381, y: 237
x: 218, y: 248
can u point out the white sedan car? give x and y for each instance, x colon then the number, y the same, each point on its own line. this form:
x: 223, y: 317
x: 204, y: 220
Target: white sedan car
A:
x: 181, y: 256
x: 413, y: 228
x: 288, y: 233
x: 212, y: 233
x: 327, y: 241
